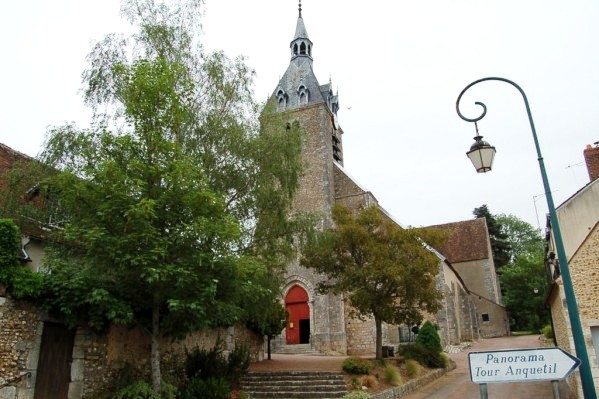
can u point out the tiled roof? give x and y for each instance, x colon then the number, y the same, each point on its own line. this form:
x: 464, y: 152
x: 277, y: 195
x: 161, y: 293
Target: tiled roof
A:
x: 8, y: 157
x: 468, y: 240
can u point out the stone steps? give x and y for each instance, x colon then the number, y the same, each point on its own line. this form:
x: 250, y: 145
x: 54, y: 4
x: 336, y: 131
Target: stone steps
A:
x: 294, y: 384
x: 300, y: 349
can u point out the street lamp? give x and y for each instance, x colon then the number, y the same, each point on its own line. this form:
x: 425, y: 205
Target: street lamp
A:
x: 482, y: 154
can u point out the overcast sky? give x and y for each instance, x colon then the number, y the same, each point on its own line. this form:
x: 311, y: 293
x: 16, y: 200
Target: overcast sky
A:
x: 398, y: 66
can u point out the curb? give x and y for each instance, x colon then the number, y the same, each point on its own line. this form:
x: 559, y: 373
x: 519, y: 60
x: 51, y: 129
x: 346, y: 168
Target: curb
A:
x: 411, y: 386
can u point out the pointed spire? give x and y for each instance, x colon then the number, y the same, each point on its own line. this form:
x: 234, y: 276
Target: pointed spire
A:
x: 301, y: 44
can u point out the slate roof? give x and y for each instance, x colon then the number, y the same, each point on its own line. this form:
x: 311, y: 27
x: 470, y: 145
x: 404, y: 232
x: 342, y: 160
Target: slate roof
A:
x: 468, y: 240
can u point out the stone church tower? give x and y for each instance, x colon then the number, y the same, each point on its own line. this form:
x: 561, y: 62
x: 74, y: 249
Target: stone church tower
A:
x: 315, y: 320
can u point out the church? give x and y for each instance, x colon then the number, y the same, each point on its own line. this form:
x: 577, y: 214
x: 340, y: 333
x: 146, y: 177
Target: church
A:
x: 321, y: 323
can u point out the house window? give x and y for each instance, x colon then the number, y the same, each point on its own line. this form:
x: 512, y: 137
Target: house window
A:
x: 485, y: 316
x: 595, y: 336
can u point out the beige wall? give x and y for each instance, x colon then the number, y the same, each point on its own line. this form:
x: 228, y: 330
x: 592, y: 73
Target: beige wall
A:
x: 579, y: 223
x: 479, y: 276
x: 577, y: 216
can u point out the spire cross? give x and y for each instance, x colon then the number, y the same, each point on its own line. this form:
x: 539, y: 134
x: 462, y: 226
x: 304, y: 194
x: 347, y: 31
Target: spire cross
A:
x: 300, y: 8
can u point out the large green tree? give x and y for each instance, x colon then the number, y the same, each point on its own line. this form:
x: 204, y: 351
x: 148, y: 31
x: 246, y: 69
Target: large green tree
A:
x: 385, y: 271
x: 499, y: 244
x: 522, y: 238
x: 175, y: 203
x: 523, y: 280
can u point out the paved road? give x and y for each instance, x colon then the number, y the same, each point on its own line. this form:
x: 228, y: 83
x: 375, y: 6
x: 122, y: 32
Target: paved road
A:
x: 456, y: 384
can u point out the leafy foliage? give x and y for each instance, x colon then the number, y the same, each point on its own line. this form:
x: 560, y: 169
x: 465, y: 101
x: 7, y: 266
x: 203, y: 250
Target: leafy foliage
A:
x: 429, y: 337
x: 519, y: 281
x: 138, y: 390
x: 211, y: 388
x: 385, y: 271
x: 9, y: 243
x: 174, y: 208
x: 425, y: 356
x: 356, y: 365
x: 412, y: 368
x: 519, y: 248
x: 205, y: 364
x: 523, y: 239
x: 21, y: 282
x: 392, y: 376
x: 499, y: 243
x: 210, y: 374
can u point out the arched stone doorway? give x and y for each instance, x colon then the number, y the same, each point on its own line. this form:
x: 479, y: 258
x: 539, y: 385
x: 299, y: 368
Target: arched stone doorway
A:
x: 298, y: 326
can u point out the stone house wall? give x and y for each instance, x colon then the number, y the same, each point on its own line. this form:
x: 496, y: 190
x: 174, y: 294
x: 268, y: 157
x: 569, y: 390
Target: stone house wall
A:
x: 456, y: 319
x: 584, y: 271
x: 20, y: 337
x: 96, y: 358
x: 495, y: 323
x: 561, y: 327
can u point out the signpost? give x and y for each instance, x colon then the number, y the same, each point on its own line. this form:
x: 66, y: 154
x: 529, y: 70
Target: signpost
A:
x: 521, y: 365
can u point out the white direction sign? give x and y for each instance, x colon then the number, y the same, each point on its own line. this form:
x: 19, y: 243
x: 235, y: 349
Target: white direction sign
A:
x: 521, y: 365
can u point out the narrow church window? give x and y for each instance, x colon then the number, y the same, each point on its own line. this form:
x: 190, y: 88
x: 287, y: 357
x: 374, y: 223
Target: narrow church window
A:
x: 310, y: 50
x: 295, y: 49
x: 485, y: 316
x: 303, y: 95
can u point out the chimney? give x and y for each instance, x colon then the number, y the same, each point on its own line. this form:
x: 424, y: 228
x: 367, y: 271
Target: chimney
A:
x: 591, y: 156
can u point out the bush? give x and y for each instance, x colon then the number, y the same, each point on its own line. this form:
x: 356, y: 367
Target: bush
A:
x: 369, y: 381
x: 356, y: 365
x: 424, y: 356
x: 205, y: 364
x: 138, y: 390
x: 429, y: 338
x: 547, y: 331
x: 21, y: 282
x: 238, y: 362
x: 412, y: 368
x: 211, y: 388
x: 357, y: 395
x: 392, y: 376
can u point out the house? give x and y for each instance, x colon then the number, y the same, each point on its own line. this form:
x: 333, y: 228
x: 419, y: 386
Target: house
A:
x: 321, y: 322
x: 578, y: 219
x: 468, y: 249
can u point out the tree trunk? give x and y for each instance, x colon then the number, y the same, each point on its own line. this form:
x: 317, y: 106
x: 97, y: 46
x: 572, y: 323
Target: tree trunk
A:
x: 155, y: 352
x: 269, y: 337
x: 379, y: 338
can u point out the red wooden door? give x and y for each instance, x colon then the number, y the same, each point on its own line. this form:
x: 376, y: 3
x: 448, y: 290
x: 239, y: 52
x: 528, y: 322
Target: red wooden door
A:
x: 296, y: 303
x: 54, y: 366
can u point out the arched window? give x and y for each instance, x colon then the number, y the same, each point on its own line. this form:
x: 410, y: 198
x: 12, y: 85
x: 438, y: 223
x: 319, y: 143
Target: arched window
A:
x: 295, y: 49
x: 303, y: 95
x: 281, y: 100
x: 303, y: 48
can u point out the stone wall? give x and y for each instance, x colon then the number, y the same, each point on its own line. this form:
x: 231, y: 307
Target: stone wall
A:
x: 97, y: 359
x: 584, y: 270
x: 561, y: 327
x: 316, y: 190
x: 20, y: 336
